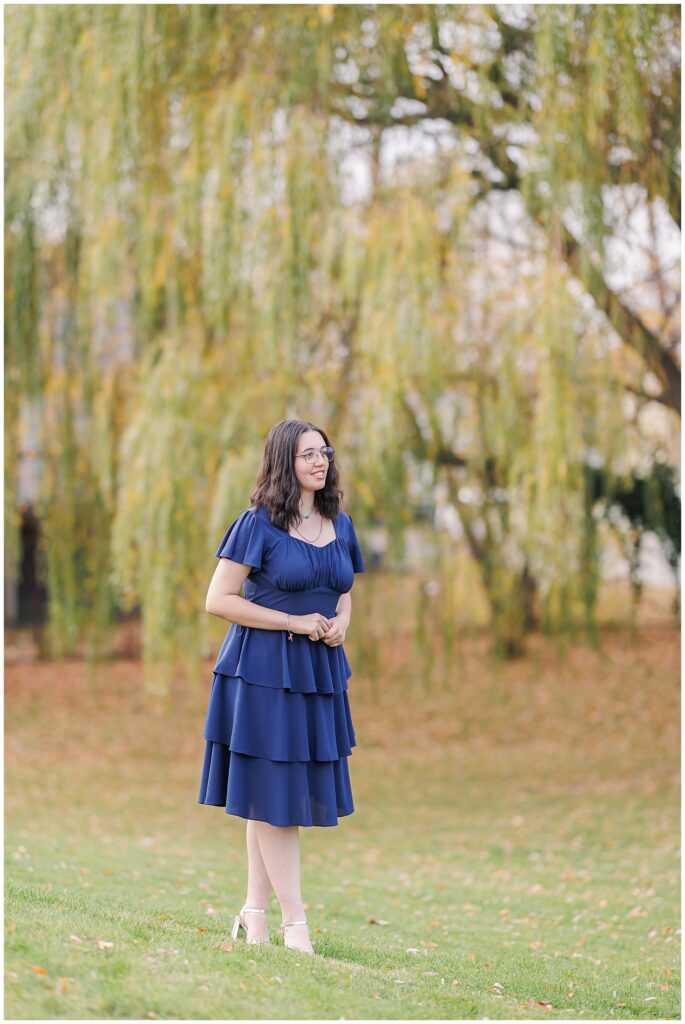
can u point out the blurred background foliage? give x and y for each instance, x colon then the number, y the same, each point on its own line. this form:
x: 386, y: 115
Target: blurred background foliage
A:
x: 447, y: 233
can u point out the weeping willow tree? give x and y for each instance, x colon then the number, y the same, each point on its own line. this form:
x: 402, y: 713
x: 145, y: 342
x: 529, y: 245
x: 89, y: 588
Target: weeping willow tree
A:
x: 217, y: 216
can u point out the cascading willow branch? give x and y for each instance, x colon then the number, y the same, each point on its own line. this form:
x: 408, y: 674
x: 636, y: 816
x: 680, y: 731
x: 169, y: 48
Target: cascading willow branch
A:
x: 188, y: 261
x: 610, y: 111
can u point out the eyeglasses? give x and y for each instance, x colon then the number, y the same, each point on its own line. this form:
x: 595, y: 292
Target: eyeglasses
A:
x: 310, y: 454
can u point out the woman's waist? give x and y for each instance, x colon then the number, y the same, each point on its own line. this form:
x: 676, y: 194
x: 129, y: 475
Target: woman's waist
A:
x: 303, y: 602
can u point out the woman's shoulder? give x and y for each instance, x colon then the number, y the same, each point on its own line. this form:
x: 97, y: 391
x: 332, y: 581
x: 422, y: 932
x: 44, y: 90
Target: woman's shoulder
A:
x: 344, y: 527
x: 255, y: 513
x: 344, y: 519
x: 245, y: 540
x: 258, y: 518
x: 249, y: 517
x: 260, y: 514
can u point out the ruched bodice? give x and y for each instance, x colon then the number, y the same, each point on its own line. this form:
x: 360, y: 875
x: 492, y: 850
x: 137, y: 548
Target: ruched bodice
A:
x: 283, y: 565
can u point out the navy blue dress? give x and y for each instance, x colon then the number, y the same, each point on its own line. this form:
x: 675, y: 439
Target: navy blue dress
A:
x: 278, y: 730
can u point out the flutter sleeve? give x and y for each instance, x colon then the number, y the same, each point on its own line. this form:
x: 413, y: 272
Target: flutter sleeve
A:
x: 354, y: 548
x: 244, y: 540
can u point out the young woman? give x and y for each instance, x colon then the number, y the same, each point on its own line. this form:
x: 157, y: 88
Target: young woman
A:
x: 278, y: 730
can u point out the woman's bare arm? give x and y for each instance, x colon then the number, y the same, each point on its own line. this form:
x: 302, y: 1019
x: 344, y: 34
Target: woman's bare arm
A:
x: 224, y: 600
x: 344, y: 607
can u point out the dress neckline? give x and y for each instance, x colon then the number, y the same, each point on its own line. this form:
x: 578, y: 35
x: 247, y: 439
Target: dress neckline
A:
x: 310, y: 544
x: 299, y: 539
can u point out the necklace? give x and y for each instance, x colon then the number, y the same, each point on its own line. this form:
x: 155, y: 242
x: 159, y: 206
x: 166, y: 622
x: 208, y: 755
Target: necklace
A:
x: 318, y: 534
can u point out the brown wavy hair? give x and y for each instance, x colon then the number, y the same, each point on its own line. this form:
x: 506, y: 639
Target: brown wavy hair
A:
x: 277, y: 487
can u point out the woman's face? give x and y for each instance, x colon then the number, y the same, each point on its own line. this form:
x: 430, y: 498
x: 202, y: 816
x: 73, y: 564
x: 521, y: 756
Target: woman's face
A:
x: 311, y: 475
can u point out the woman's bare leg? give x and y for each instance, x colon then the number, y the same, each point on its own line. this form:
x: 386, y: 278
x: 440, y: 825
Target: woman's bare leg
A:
x: 259, y: 887
x: 280, y: 849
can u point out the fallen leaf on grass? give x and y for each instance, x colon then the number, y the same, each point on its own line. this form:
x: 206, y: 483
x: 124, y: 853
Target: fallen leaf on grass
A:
x: 537, y: 1002
x: 103, y: 944
x: 62, y: 985
x: 38, y: 970
x: 377, y: 920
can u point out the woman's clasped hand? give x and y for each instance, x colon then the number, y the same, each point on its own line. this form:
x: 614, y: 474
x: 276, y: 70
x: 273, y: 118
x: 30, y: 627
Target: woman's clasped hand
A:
x: 319, y: 627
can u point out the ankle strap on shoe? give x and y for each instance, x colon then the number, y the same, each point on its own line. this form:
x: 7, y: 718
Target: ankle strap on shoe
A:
x: 286, y: 924
x: 252, y: 910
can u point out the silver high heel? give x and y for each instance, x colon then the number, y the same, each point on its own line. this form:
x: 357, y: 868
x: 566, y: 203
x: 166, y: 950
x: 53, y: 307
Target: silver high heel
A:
x: 287, y: 924
x: 239, y: 923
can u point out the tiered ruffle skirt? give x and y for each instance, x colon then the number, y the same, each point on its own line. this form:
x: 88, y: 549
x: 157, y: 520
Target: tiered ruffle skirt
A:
x: 278, y: 730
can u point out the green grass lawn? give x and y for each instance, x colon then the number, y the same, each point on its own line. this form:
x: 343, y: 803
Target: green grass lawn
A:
x: 514, y: 852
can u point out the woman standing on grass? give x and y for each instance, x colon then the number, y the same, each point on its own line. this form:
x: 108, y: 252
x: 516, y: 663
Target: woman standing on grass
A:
x: 278, y: 730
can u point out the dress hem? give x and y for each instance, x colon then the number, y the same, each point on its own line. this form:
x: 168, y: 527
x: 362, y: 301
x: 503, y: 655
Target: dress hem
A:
x: 280, y: 824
